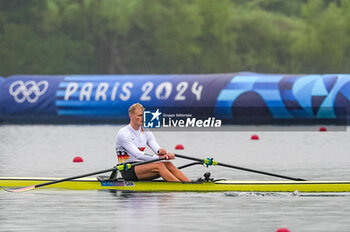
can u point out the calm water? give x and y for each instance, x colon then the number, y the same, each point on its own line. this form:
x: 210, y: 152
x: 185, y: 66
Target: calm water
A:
x: 47, y: 150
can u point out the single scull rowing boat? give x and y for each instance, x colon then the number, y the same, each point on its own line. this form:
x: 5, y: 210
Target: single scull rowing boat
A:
x: 93, y: 183
x: 84, y: 182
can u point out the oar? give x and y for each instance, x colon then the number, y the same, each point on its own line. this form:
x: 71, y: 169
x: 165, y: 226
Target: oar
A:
x: 119, y: 167
x: 212, y: 162
x: 189, y: 165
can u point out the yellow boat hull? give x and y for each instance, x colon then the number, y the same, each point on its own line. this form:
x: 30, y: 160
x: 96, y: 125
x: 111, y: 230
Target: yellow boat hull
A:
x: 159, y: 186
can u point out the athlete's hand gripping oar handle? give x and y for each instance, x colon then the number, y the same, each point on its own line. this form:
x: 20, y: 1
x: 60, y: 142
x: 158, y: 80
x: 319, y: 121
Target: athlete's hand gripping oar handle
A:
x: 212, y: 162
x: 119, y: 167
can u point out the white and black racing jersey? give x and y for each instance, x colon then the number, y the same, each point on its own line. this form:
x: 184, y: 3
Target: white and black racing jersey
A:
x: 131, y: 144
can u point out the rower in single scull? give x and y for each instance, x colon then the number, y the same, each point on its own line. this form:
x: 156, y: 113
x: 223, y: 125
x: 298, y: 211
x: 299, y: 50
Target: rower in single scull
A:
x: 131, y: 141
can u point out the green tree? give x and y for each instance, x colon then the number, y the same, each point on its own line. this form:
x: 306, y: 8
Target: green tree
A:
x: 290, y: 8
x: 36, y: 44
x: 321, y: 45
x: 189, y: 36
x: 263, y: 40
x: 217, y: 39
x: 169, y: 32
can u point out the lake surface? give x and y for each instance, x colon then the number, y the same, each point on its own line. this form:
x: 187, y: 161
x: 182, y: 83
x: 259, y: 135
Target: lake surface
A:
x: 48, y: 151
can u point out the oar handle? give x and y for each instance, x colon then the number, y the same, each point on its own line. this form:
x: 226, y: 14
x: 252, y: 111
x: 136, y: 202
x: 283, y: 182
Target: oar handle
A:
x: 240, y: 168
x: 148, y: 161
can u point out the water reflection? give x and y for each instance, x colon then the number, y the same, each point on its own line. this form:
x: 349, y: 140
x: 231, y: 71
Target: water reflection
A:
x: 139, y: 200
x: 284, y: 194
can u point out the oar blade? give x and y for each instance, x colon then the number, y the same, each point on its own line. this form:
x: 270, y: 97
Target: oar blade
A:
x: 22, y: 189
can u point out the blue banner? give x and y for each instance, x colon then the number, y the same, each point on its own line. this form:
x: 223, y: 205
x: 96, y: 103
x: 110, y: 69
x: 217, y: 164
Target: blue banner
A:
x: 286, y: 96
x: 29, y: 96
x: 111, y: 96
x: 1, y: 80
x: 234, y: 97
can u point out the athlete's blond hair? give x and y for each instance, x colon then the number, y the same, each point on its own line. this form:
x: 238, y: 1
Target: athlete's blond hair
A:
x: 135, y: 106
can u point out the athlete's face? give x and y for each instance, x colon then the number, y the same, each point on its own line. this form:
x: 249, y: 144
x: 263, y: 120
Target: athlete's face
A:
x: 137, y: 117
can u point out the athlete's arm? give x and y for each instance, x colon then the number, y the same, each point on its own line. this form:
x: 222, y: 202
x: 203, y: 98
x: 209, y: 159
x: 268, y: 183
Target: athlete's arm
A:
x: 132, y: 149
x: 152, y: 143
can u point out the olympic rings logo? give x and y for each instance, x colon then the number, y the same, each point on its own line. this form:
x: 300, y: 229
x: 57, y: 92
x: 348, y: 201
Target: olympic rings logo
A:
x: 30, y: 91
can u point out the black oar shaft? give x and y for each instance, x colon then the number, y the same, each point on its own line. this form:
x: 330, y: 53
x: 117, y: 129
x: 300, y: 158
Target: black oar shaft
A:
x: 189, y: 157
x: 74, y: 177
x: 260, y: 172
x: 118, y: 167
x: 95, y: 173
x: 241, y: 168
x: 189, y: 165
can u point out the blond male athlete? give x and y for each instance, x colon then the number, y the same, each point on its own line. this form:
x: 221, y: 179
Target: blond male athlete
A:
x: 131, y: 141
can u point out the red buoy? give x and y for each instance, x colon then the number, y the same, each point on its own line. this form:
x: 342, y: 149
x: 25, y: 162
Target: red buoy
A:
x: 254, y: 137
x: 179, y: 147
x: 78, y: 159
x: 282, y: 230
x: 323, y: 128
